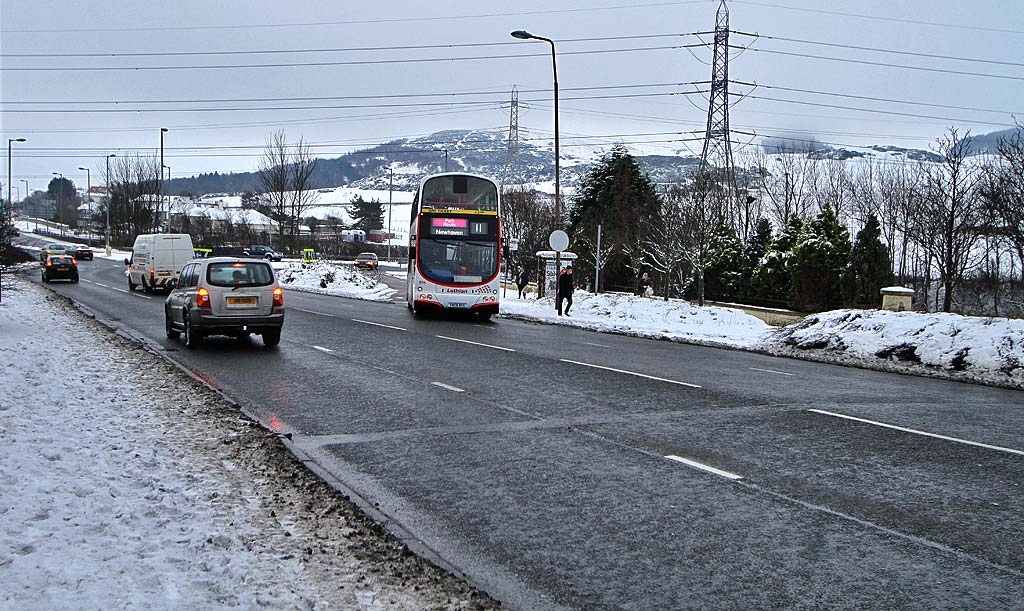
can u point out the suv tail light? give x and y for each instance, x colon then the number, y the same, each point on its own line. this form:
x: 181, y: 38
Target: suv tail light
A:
x: 203, y: 298
x: 278, y: 296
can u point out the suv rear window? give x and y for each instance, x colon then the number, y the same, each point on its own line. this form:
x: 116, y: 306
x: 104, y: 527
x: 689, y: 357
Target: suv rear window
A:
x: 242, y: 273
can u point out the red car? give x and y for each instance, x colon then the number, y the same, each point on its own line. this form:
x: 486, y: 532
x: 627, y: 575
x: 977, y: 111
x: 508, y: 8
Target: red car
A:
x: 367, y: 260
x: 82, y: 252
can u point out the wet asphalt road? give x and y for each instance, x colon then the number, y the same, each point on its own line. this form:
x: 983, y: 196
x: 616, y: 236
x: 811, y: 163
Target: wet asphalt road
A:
x: 560, y: 468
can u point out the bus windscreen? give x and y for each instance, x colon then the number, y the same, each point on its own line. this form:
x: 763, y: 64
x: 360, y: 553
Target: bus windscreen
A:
x: 460, y: 192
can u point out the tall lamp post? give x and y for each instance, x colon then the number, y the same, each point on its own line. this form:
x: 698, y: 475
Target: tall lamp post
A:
x: 88, y: 194
x: 160, y: 180
x: 108, y: 202
x: 60, y: 210
x: 391, y: 189
x: 524, y: 35
x: 7, y: 211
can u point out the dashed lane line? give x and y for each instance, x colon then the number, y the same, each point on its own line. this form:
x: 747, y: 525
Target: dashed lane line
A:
x: 781, y: 373
x: 703, y: 467
x: 322, y: 349
x: 466, y: 341
x: 312, y: 312
x: 918, y: 432
x: 377, y: 324
x: 632, y: 373
x: 449, y: 387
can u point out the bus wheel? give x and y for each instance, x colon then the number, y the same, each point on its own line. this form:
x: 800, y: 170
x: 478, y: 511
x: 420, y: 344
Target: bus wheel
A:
x: 484, y: 316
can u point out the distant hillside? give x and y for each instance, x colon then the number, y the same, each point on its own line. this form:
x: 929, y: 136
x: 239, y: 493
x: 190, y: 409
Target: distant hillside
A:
x: 484, y: 152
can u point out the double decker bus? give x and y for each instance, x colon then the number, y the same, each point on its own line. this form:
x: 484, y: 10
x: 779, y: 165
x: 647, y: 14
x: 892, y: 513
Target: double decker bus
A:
x: 455, y: 245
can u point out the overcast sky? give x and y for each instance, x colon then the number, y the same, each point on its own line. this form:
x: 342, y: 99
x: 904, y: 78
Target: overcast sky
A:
x: 622, y: 70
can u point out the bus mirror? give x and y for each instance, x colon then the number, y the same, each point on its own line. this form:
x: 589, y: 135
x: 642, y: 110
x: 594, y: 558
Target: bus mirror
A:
x: 460, y: 185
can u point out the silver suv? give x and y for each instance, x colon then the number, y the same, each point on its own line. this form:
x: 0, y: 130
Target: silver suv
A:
x: 225, y: 296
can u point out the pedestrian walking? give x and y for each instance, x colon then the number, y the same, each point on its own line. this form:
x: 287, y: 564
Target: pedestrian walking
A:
x: 565, y: 289
x: 521, y: 281
x: 646, y: 289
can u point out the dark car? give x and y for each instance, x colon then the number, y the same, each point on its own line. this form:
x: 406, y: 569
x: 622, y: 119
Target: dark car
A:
x: 82, y: 253
x: 227, y: 251
x: 366, y: 260
x: 264, y: 252
x: 60, y: 267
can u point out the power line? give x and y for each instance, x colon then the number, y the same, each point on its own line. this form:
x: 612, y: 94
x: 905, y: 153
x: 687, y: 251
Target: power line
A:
x: 883, y: 64
x: 374, y: 62
x: 879, y: 18
x: 347, y: 97
x: 354, y: 21
x: 114, y: 54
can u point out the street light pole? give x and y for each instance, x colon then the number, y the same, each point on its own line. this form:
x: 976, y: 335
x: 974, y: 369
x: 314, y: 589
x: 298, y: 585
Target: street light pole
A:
x: 60, y: 211
x: 88, y: 194
x: 524, y: 35
x: 160, y: 180
x: 7, y: 211
x: 108, y: 201
x: 391, y: 189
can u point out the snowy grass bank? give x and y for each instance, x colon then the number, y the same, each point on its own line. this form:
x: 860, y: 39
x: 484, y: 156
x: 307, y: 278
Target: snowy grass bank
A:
x: 644, y: 317
x: 329, y: 279
x: 964, y: 348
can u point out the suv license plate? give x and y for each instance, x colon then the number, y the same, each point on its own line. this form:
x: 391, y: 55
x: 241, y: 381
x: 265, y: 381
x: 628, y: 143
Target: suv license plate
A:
x: 241, y: 301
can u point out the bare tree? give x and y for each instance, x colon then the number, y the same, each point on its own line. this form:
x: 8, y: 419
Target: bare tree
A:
x: 275, y: 179
x: 950, y: 214
x: 1003, y: 190
x: 527, y: 216
x: 302, y: 166
x: 786, y: 178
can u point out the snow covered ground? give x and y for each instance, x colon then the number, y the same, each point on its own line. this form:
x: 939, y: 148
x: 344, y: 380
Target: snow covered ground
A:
x: 966, y: 348
x: 116, y: 494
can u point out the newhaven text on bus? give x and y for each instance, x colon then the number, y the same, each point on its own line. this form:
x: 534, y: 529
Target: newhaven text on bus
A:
x: 455, y: 245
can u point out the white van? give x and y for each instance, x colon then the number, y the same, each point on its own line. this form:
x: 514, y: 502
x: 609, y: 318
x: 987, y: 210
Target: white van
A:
x: 157, y: 258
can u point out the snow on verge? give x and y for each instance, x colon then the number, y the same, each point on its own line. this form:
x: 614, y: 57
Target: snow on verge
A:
x: 645, y: 317
x: 966, y: 348
x: 118, y: 493
x: 327, y: 279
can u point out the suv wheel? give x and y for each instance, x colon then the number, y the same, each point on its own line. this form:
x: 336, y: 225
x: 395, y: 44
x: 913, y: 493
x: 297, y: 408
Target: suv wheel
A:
x: 192, y: 337
x: 131, y: 285
x: 172, y: 333
x: 271, y: 337
x: 145, y: 287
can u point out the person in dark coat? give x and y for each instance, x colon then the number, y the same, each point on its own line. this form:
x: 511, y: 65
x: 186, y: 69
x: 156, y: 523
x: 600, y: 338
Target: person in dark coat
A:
x: 522, y: 279
x: 645, y: 286
x: 565, y: 289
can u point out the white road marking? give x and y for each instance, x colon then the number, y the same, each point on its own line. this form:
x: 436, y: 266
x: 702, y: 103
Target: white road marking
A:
x: 781, y: 373
x: 311, y: 312
x: 486, y: 327
x: 103, y: 285
x: 632, y: 373
x: 322, y: 349
x: 598, y: 345
x: 917, y: 432
x: 377, y: 324
x: 466, y: 341
x: 134, y: 294
x: 703, y: 467
x: 448, y: 387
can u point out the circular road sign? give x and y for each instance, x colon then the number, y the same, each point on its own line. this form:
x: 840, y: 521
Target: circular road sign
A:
x: 558, y: 240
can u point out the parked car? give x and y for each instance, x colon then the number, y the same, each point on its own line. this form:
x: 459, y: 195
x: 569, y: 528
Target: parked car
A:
x: 157, y: 259
x: 227, y: 251
x: 52, y: 249
x: 225, y: 296
x: 366, y: 260
x: 60, y: 267
x: 263, y: 252
x: 82, y: 253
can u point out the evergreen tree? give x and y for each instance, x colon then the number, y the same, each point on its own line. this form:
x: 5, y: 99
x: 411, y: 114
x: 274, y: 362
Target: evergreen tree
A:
x: 869, y: 268
x: 771, y: 280
x: 367, y: 215
x: 753, y: 252
x: 722, y: 276
x: 617, y: 195
x: 819, y: 260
